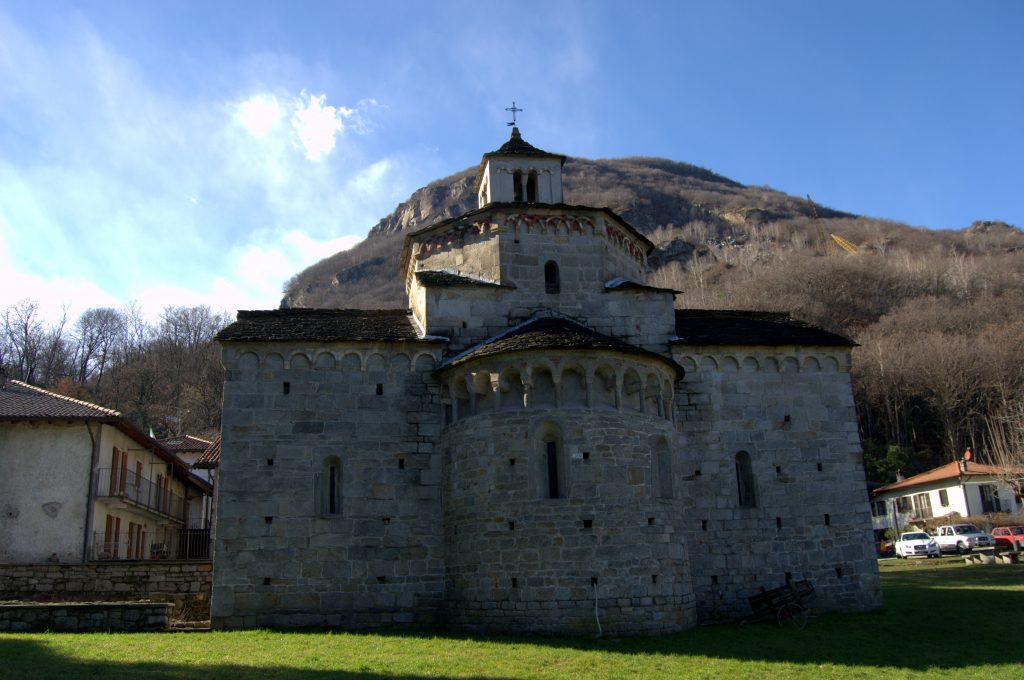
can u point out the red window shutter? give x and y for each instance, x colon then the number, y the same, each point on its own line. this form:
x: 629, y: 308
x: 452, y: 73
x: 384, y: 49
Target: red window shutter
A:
x: 124, y: 471
x: 115, y: 467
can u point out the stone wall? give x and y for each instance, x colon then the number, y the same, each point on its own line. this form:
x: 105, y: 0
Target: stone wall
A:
x: 186, y: 585
x: 66, y: 617
x: 791, y: 410
x: 285, y: 555
x: 519, y: 559
x: 589, y: 249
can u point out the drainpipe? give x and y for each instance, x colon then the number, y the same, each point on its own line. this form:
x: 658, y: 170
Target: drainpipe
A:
x: 90, y: 503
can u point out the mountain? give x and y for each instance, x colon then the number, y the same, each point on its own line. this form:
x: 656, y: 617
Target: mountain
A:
x: 938, y: 315
x: 687, y: 210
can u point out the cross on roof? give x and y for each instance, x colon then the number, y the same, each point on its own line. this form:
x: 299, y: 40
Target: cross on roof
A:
x: 514, y: 109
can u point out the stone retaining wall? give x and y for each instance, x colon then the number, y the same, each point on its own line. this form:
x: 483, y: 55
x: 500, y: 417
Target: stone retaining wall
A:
x: 186, y: 585
x: 85, y: 617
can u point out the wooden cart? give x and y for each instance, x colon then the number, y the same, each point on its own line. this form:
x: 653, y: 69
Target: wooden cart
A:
x: 786, y: 605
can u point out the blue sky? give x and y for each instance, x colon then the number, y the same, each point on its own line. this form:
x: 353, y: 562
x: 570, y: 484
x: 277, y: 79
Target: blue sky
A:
x: 202, y: 153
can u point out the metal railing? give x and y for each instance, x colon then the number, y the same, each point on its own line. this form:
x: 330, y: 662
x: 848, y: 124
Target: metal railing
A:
x: 175, y: 544
x: 140, y: 491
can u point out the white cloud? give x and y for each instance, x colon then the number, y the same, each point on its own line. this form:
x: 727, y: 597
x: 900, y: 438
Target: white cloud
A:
x: 317, y: 125
x: 259, y: 114
x: 114, y: 188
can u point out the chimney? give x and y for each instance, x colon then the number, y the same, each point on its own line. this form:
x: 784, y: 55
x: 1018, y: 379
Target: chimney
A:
x: 899, y: 476
x: 3, y: 378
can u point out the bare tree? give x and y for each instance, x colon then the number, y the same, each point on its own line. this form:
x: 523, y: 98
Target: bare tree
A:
x: 1005, y: 444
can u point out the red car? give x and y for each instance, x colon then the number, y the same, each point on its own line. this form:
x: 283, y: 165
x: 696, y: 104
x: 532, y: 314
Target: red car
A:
x: 1009, y: 537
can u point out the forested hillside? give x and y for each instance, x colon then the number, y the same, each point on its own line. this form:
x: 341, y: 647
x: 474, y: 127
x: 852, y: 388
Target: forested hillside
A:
x: 166, y: 376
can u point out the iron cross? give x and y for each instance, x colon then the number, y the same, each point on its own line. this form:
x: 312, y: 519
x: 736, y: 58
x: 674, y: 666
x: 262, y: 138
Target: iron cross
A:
x: 514, y: 111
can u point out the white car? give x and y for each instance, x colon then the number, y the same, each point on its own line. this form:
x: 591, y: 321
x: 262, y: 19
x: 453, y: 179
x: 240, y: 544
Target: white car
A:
x: 916, y: 544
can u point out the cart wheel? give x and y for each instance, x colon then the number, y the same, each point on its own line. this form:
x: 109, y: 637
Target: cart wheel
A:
x: 792, y: 615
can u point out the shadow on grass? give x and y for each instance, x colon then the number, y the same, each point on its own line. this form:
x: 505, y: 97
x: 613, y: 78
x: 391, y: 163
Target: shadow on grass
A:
x: 28, y: 659
x: 930, y: 617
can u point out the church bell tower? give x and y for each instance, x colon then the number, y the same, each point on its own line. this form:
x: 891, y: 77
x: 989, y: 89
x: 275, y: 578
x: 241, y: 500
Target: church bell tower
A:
x: 519, y: 172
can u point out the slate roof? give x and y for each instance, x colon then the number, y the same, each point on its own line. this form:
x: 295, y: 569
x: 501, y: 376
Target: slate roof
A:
x: 548, y: 333
x: 728, y: 327
x: 517, y: 146
x: 625, y: 284
x: 21, y: 401
x: 944, y: 472
x: 184, y: 444
x: 430, y: 277
x: 322, y: 325
x: 210, y: 458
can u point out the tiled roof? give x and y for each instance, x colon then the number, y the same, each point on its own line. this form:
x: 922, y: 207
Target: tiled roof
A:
x: 210, y: 458
x: 322, y: 325
x: 547, y: 333
x: 440, y: 278
x: 184, y: 444
x: 728, y: 327
x: 943, y: 472
x: 21, y: 401
x: 517, y: 146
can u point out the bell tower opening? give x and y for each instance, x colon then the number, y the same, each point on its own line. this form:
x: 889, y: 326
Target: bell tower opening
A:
x: 519, y: 172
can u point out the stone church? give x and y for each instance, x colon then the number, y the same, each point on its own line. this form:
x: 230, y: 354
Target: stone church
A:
x: 540, y: 443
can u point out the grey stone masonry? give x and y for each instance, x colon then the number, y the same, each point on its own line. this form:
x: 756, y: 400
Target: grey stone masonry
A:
x: 84, y: 617
x: 284, y: 556
x: 185, y: 585
x: 542, y: 444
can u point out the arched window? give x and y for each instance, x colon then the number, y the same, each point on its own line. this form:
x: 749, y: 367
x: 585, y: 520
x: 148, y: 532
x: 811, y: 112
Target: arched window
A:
x: 328, y: 488
x: 663, y: 461
x: 517, y: 186
x: 552, y: 282
x: 551, y: 456
x: 550, y: 470
x: 745, y: 481
x: 531, y: 187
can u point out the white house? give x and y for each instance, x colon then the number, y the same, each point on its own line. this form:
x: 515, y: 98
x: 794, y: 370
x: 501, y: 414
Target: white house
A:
x: 79, y: 483
x: 963, y: 487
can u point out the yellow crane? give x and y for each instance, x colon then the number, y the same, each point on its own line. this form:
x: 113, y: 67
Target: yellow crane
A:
x: 834, y: 239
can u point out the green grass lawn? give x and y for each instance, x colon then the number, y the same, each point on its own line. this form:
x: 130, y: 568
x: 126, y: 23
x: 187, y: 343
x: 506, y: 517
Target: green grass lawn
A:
x: 941, y: 619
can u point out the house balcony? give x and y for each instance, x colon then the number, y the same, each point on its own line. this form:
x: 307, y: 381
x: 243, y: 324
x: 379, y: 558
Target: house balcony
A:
x: 141, y: 493
x: 171, y: 544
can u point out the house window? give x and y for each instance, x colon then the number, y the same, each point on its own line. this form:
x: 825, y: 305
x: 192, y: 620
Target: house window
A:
x: 552, y: 281
x: 328, y: 488
x: 531, y: 187
x: 943, y: 498
x: 111, y: 538
x: 745, y: 481
x: 118, y: 471
x: 989, y: 498
x: 878, y: 509
x: 902, y: 504
x: 922, y: 506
